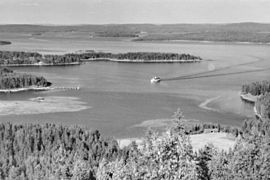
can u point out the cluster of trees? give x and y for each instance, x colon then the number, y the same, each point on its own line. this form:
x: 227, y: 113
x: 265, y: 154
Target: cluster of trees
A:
x: 57, y: 152
x: 139, y: 56
x: 63, y: 59
x: 30, y: 58
x: 263, y: 105
x: 256, y: 88
x: 11, y: 80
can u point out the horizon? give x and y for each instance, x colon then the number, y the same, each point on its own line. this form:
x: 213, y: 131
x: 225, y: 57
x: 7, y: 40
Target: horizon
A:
x: 101, y: 12
x: 156, y: 24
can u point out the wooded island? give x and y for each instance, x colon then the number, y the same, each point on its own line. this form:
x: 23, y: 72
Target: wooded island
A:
x: 10, y: 80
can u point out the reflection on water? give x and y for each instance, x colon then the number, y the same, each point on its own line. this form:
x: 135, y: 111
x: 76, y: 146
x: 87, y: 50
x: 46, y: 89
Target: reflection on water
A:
x: 120, y: 95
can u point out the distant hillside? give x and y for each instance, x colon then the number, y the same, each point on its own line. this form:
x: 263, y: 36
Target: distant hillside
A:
x: 242, y: 32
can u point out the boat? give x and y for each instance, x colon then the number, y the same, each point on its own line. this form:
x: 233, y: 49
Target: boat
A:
x: 155, y: 80
x: 38, y: 99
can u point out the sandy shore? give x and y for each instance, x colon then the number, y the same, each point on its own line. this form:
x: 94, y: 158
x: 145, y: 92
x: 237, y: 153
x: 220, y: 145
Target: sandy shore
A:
x: 40, y: 64
x: 141, y: 60
x: 31, y: 88
x: 50, y: 104
x: 220, y: 140
x: 249, y: 98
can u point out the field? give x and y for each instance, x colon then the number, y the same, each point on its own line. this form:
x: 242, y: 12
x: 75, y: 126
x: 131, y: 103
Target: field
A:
x: 222, y: 141
x: 219, y: 140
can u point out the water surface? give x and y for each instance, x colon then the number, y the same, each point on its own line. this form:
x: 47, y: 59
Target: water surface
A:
x: 121, y: 97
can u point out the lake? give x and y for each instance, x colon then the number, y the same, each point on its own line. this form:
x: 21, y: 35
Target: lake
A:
x: 118, y: 98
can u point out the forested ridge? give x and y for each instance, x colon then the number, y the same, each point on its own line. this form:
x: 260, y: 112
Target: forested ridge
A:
x: 234, y: 32
x: 12, y: 80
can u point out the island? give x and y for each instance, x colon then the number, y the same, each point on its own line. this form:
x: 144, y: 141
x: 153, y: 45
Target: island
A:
x: 5, y: 42
x: 17, y: 82
x: 17, y: 58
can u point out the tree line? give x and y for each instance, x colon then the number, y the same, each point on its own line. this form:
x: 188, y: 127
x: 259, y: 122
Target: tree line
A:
x: 11, y: 80
x: 138, y: 56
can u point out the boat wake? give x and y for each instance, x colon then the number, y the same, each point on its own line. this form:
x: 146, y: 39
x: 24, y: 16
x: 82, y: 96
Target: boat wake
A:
x: 213, y: 72
x: 204, y: 105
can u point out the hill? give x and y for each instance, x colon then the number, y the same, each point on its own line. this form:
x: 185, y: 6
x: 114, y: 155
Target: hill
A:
x: 235, y: 32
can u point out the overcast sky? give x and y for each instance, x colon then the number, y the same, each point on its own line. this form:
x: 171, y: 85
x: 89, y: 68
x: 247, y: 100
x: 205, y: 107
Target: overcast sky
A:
x: 132, y: 11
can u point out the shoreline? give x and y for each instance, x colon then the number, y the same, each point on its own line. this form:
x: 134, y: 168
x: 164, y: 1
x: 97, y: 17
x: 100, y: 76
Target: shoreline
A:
x: 140, y: 60
x: 206, y: 42
x: 251, y: 99
x: 40, y: 64
x: 36, y: 88
x: 33, y: 88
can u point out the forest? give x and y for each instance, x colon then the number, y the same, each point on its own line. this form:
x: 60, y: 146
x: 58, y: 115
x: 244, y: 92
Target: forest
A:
x: 12, y: 80
x: 51, y: 151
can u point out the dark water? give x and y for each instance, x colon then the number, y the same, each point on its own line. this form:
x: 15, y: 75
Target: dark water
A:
x: 120, y: 95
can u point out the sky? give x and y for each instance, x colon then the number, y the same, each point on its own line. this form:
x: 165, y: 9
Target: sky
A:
x: 133, y: 11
